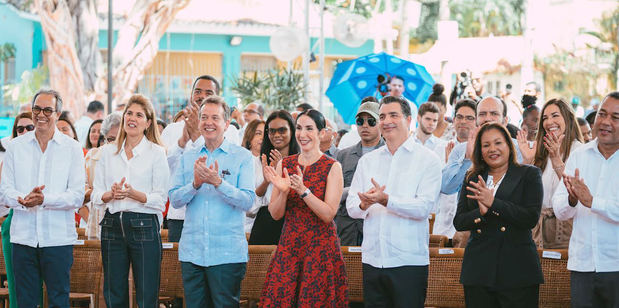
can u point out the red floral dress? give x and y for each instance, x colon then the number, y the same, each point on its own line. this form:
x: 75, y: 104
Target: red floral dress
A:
x: 307, y: 269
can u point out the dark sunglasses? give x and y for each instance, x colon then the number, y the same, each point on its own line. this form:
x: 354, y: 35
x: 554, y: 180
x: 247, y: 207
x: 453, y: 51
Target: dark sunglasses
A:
x: 281, y: 130
x: 371, y: 122
x: 46, y: 111
x: 29, y: 127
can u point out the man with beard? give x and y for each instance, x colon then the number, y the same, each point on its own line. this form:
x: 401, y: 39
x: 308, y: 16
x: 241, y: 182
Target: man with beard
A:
x: 427, y: 120
x: 349, y: 230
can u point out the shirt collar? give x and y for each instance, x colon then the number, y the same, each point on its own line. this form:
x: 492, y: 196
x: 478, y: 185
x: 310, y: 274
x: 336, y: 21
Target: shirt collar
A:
x: 408, y: 145
x: 593, y: 146
x: 224, y: 146
x: 139, y: 148
x: 57, y: 137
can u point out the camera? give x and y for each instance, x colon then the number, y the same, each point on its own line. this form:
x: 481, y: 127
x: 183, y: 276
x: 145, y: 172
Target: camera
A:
x: 463, y: 82
x: 383, y: 84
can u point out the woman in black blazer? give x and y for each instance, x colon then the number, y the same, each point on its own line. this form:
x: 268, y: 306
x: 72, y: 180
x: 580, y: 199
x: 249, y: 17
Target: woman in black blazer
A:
x: 500, y: 206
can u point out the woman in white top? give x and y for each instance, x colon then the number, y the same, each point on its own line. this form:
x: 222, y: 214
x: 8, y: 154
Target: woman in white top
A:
x: 558, y: 135
x: 252, y: 140
x: 131, y: 182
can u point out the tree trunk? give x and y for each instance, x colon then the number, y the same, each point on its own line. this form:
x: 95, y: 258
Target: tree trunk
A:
x: 86, y: 25
x: 148, y: 22
x: 65, y: 70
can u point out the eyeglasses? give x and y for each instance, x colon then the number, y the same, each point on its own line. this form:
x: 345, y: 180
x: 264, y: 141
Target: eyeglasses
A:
x: 110, y: 139
x: 29, y: 127
x: 371, y: 122
x: 281, y: 130
x: 468, y: 118
x: 46, y: 111
x: 250, y: 111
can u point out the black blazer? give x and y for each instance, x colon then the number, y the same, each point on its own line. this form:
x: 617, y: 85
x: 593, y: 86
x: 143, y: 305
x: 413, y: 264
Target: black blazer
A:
x: 500, y: 252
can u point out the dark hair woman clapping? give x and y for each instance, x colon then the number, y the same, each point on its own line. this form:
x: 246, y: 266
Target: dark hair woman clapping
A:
x: 500, y: 205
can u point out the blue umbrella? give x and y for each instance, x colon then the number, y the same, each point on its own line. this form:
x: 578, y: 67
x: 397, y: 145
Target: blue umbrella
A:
x: 355, y: 79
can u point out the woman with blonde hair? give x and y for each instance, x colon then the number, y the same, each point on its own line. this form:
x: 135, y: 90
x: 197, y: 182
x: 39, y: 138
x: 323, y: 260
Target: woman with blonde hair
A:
x: 558, y: 135
x: 131, y: 183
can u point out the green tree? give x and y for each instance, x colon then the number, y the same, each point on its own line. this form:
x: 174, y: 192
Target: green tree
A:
x: 276, y: 89
x: 23, y: 91
x: 7, y: 51
x: 488, y: 17
x: 608, y: 49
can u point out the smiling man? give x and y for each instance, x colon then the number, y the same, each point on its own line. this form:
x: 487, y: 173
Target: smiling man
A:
x: 215, y: 182
x: 43, y: 181
x: 393, y: 190
x: 589, y: 196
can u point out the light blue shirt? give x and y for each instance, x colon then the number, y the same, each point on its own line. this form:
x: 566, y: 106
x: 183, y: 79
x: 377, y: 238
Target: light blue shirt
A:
x: 457, y: 165
x: 213, y: 232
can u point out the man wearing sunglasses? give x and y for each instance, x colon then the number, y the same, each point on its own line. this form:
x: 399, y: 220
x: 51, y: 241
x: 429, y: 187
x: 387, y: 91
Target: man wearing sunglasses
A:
x: 43, y: 181
x: 350, y: 230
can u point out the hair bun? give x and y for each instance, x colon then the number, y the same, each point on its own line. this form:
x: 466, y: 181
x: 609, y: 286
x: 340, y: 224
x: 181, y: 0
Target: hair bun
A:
x: 528, y: 101
x: 438, y: 89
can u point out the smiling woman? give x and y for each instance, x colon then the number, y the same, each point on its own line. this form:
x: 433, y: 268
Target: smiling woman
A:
x: 500, y: 205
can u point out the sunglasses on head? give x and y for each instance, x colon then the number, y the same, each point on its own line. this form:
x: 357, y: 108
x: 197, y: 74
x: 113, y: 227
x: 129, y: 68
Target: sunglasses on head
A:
x: 29, y: 127
x: 371, y: 121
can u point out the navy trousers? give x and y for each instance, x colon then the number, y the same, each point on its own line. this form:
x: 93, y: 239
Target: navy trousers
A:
x: 216, y: 286
x: 129, y: 238
x: 52, y: 264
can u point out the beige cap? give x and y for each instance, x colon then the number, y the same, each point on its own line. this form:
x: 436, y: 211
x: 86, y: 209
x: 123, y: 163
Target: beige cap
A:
x: 370, y: 108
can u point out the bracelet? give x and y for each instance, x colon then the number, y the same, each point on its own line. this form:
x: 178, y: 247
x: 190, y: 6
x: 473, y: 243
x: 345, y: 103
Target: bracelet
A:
x: 559, y: 167
x: 305, y: 193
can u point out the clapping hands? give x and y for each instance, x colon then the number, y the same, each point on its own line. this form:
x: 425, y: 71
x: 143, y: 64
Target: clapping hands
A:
x: 481, y: 193
x: 577, y: 189
x: 34, y: 198
x: 376, y: 194
x: 205, y: 175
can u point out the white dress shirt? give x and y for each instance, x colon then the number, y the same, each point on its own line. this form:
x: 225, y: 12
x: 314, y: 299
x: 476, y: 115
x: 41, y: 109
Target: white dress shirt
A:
x: 594, y: 244
x: 61, y: 169
x: 147, y: 171
x: 250, y: 215
x: 551, y: 181
x: 397, y: 235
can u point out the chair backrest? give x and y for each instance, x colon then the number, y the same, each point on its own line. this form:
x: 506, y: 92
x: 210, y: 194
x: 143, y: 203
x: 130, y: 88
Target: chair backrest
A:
x: 354, y: 271
x: 81, y: 234
x: 431, y: 219
x: 257, y: 267
x: 87, y: 268
x: 555, y: 291
x: 164, y: 235
x: 171, y: 283
x: 438, y: 241
x: 444, y: 288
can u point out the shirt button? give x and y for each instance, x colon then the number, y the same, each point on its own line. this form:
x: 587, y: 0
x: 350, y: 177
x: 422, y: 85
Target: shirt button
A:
x: 478, y: 230
x: 141, y: 223
x: 502, y: 229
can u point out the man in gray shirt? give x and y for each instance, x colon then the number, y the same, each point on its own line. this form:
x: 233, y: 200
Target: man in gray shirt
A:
x: 349, y: 230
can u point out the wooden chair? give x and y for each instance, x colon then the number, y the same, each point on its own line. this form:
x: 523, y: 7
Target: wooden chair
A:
x: 354, y: 271
x: 81, y: 234
x: 86, y: 274
x: 555, y: 291
x: 438, y: 241
x: 171, y: 284
x: 431, y: 219
x: 164, y: 235
x: 444, y: 288
x: 255, y: 275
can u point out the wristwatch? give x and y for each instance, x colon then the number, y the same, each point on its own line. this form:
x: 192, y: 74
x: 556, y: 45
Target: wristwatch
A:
x: 305, y: 193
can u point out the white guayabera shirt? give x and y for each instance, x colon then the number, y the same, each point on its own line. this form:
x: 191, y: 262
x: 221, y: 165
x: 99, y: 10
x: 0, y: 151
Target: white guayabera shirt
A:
x: 397, y: 234
x: 61, y: 169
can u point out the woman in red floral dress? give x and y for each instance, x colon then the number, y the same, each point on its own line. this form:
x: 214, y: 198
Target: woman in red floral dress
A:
x: 307, y: 269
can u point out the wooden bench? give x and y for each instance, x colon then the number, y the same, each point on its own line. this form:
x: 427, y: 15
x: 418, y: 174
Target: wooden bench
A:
x: 255, y: 275
x: 86, y: 273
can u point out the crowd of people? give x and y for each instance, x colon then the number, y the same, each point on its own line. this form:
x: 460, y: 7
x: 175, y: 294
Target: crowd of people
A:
x: 221, y: 179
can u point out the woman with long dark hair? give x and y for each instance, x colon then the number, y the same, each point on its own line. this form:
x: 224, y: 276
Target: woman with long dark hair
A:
x: 558, y: 134
x: 280, y: 143
x: 500, y: 206
x: 307, y: 269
